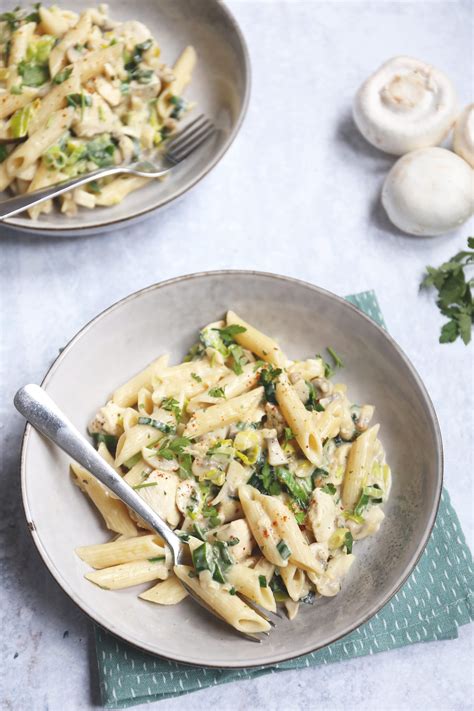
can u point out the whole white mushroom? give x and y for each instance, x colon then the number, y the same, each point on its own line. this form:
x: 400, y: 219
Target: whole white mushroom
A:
x: 429, y: 192
x: 463, y: 139
x: 406, y: 104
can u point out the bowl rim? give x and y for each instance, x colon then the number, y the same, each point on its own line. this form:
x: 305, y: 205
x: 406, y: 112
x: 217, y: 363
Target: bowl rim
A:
x: 109, y: 224
x: 279, y: 658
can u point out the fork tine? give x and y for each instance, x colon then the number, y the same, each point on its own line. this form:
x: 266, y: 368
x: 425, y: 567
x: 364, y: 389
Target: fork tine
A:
x: 266, y: 614
x: 184, y: 141
x: 187, y: 129
x: 183, y: 151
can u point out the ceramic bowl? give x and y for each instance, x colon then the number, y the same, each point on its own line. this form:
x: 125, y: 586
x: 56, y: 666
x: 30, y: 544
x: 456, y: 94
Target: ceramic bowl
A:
x: 304, y: 319
x: 220, y: 87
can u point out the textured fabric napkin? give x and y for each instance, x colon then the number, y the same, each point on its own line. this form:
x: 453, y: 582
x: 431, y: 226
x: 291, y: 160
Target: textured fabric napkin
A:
x: 436, y: 599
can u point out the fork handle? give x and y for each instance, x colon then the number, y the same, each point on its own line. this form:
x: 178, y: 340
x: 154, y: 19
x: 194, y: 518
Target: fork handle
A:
x: 12, y: 206
x: 46, y: 417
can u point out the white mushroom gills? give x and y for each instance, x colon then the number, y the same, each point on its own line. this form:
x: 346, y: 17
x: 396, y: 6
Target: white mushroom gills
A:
x: 406, y: 104
x: 463, y: 139
x: 429, y: 192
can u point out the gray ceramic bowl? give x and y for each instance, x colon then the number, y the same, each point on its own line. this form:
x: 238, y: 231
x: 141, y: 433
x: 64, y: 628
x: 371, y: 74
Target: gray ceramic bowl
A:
x: 305, y: 319
x: 220, y: 87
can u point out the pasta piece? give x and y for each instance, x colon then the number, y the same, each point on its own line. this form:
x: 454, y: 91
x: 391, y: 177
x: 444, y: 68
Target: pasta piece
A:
x: 329, y: 584
x: 113, y: 511
x: 77, y: 35
x: 125, y: 550
x: 115, y: 191
x: 127, y: 394
x: 292, y: 608
x: 128, y: 574
x: 42, y: 179
x: 294, y: 579
x: 291, y: 546
x: 169, y: 592
x: 229, y: 607
x: 247, y: 581
x: 9, y: 103
x: 257, y: 342
x: 19, y: 44
x: 327, y: 424
x: 133, y: 440
x: 29, y: 152
x: 182, y: 72
x: 94, y: 63
x: 54, y: 101
x: 232, y: 385
x: 359, y: 464
x: 54, y: 22
x: 300, y: 421
x: 223, y: 414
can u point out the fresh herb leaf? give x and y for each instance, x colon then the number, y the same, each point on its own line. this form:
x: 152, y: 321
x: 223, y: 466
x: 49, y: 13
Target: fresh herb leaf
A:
x: 172, y: 405
x: 196, y: 377
x: 238, y: 358
x: 288, y: 434
x: 94, y: 187
x: 217, y: 392
x: 329, y: 489
x: 262, y: 581
x: 295, y: 488
x: 33, y: 74
x: 228, y: 333
x: 61, y: 76
x: 232, y: 591
x: 267, y: 378
x: 337, y: 361
x: 348, y: 541
x: 454, y: 294
x: 79, y: 101
x: 145, y: 485
x: 312, y: 401
x: 3, y: 153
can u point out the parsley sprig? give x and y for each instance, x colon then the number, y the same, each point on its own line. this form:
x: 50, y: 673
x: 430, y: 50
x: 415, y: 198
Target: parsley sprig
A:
x: 454, y: 294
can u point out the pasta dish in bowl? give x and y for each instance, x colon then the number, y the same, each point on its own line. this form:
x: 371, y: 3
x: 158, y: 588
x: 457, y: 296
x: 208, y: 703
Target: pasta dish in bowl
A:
x: 81, y: 90
x: 254, y: 442
x: 260, y: 463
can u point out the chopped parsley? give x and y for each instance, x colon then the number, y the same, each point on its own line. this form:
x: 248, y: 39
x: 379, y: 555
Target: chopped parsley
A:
x: 454, y: 294
x: 196, y: 377
x: 217, y: 392
x: 172, y: 405
x: 61, y: 76
x: 329, y: 489
x: 312, y: 401
x: 267, y: 378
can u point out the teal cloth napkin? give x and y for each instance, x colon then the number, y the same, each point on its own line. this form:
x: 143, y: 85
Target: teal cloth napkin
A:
x: 437, y: 598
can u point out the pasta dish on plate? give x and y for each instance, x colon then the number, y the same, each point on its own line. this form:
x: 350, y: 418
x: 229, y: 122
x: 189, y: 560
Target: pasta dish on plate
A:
x: 81, y: 92
x: 261, y: 464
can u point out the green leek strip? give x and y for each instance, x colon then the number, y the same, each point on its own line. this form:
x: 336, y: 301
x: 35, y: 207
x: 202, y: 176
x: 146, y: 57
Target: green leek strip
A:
x: 263, y: 581
x: 158, y: 558
x: 283, y: 549
x: 109, y: 440
x: 161, y: 426
x: 203, y: 558
x: 145, y: 485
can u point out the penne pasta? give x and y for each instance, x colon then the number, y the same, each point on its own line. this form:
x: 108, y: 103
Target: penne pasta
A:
x: 127, y: 575
x: 230, y: 607
x: 125, y: 550
x: 269, y: 473
x: 168, y: 592
x: 223, y: 414
x: 264, y: 347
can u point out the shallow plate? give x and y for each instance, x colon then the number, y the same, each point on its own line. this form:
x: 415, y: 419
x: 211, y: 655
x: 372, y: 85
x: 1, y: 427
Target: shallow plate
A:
x: 165, y: 318
x: 220, y: 87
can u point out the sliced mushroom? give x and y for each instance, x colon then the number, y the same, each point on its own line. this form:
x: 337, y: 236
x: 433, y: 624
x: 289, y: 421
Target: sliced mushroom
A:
x: 329, y: 584
x: 276, y: 455
x: 111, y: 94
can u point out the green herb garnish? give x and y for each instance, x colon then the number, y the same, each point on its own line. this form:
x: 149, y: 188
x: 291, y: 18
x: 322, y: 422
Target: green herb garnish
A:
x: 454, y: 294
x: 329, y: 489
x: 62, y: 75
x: 196, y: 377
x: 217, y: 392
x: 157, y: 424
x: 145, y: 485
x: 262, y: 581
x: 172, y: 405
x: 267, y: 378
x: 109, y: 440
x: 283, y: 549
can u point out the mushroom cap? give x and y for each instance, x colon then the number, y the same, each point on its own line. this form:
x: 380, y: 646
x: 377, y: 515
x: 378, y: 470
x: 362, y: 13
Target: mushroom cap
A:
x: 463, y: 139
x: 429, y: 192
x: 406, y: 104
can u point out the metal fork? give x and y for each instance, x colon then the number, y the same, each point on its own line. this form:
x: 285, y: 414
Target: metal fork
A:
x: 46, y: 417
x: 178, y: 148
